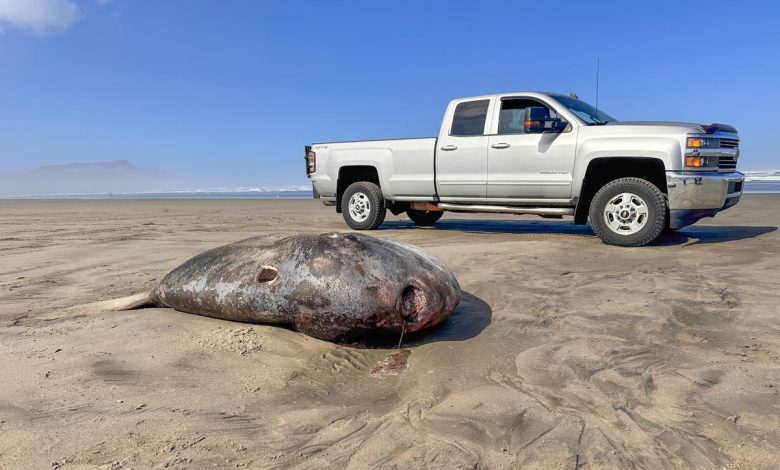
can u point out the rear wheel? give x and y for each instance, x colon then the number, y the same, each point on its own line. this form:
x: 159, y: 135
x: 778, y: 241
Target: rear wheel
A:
x: 424, y: 217
x: 628, y: 212
x: 363, y: 206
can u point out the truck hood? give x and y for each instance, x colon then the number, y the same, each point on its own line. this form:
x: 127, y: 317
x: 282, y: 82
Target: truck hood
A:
x: 683, y: 126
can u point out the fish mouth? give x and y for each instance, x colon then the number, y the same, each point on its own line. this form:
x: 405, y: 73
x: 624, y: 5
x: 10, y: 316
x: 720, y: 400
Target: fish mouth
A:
x: 422, y: 308
x: 412, y: 304
x: 416, y: 308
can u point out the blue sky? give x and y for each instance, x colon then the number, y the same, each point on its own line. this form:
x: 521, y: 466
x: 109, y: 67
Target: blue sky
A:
x: 227, y: 93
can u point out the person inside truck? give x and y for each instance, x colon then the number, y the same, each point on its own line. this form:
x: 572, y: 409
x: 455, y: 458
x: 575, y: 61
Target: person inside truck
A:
x: 510, y: 120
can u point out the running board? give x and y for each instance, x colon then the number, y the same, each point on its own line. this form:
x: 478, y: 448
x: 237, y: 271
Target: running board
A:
x: 544, y: 211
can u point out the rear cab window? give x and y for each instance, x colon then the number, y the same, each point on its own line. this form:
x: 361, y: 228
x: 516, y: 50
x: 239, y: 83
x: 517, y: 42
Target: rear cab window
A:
x: 469, y: 118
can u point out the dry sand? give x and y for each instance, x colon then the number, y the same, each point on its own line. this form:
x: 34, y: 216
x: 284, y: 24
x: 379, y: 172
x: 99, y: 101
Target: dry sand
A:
x: 565, y: 352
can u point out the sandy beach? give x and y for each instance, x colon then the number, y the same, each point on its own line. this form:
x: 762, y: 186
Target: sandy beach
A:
x: 564, y: 353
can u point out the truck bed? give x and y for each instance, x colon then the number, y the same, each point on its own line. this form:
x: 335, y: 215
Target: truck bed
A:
x: 408, y: 162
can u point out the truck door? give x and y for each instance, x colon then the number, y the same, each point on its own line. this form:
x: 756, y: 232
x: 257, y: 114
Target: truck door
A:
x: 461, y: 153
x: 524, y: 164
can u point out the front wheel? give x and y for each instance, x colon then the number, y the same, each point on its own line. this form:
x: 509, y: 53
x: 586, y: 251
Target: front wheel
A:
x: 424, y: 218
x: 628, y: 212
x: 363, y: 206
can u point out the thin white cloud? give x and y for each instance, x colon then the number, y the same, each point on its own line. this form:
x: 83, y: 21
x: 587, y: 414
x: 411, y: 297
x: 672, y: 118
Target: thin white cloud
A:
x: 38, y: 16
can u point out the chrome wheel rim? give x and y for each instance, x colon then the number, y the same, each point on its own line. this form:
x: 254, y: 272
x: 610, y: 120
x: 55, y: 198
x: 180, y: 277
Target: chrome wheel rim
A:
x: 359, y: 207
x: 626, y: 214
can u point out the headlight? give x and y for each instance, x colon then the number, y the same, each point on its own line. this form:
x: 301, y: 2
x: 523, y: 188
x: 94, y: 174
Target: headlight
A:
x: 703, y: 143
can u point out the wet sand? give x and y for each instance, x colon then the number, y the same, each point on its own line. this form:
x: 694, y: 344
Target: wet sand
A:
x: 565, y: 353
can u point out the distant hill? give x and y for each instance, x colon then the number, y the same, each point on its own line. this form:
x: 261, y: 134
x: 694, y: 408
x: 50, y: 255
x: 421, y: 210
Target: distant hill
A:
x: 84, y: 178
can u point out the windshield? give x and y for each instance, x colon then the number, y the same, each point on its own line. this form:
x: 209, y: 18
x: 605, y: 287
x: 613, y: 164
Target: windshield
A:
x: 589, y: 114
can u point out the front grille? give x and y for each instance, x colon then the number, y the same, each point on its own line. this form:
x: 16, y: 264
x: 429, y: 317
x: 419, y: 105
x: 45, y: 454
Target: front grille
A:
x: 729, y: 143
x: 727, y: 163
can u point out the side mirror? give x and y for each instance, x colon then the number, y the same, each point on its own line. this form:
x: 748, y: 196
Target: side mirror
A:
x: 537, y: 120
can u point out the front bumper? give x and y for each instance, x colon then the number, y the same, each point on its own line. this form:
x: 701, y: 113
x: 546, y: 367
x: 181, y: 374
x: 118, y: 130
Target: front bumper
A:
x: 695, y: 195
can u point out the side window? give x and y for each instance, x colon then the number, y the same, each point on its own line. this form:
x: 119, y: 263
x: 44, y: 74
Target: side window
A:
x: 510, y: 119
x: 469, y: 118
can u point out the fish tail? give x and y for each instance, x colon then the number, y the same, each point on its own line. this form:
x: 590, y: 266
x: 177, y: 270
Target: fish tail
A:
x: 130, y: 302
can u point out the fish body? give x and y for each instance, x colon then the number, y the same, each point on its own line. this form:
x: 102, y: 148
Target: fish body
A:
x: 336, y: 287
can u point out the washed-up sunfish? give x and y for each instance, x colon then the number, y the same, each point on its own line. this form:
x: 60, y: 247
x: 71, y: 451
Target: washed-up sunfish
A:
x: 336, y: 287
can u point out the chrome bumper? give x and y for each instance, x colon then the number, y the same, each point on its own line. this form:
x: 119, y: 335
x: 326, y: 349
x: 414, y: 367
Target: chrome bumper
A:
x: 695, y: 195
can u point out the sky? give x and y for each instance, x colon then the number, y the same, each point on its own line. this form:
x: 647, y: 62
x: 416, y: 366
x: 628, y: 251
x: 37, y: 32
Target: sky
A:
x: 227, y: 93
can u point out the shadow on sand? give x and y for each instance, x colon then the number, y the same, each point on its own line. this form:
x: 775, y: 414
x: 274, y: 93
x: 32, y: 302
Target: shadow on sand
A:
x: 702, y: 234
x: 696, y: 234
x: 471, y: 316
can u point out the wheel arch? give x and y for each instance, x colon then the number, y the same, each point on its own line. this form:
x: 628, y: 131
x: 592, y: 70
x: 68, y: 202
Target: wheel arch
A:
x: 349, y: 174
x: 601, y: 171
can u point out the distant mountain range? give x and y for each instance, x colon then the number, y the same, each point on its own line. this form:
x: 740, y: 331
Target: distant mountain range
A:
x: 84, y: 178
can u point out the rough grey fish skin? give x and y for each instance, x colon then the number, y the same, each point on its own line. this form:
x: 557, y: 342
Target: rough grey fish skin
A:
x: 336, y: 287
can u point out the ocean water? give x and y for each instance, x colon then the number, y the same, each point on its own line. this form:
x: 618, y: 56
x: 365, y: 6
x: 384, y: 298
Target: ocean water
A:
x: 766, y: 181
x: 196, y: 194
x: 762, y: 186
x: 222, y: 194
x: 755, y: 182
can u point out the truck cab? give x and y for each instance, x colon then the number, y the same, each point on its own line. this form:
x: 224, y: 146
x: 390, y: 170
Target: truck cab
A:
x: 537, y: 153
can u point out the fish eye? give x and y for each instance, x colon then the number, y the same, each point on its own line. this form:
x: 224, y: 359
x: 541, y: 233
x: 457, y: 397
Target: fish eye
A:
x: 266, y: 274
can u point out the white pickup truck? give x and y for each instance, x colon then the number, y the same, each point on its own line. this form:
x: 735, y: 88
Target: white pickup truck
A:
x: 537, y: 153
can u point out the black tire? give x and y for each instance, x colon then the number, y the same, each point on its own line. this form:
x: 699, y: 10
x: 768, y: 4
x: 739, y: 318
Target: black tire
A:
x: 374, y: 205
x: 424, y: 218
x: 652, y: 197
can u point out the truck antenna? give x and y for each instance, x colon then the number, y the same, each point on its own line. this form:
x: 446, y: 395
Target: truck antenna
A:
x: 598, y: 64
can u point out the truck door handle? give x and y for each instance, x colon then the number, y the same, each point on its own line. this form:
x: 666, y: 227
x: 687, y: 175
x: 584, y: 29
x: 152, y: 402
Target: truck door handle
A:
x: 500, y: 145
x: 447, y: 148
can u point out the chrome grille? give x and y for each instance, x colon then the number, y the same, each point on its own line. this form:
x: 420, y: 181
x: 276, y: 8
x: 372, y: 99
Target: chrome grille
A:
x: 729, y: 143
x: 727, y: 163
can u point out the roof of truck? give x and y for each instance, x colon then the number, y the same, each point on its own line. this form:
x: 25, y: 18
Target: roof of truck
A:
x: 510, y: 93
